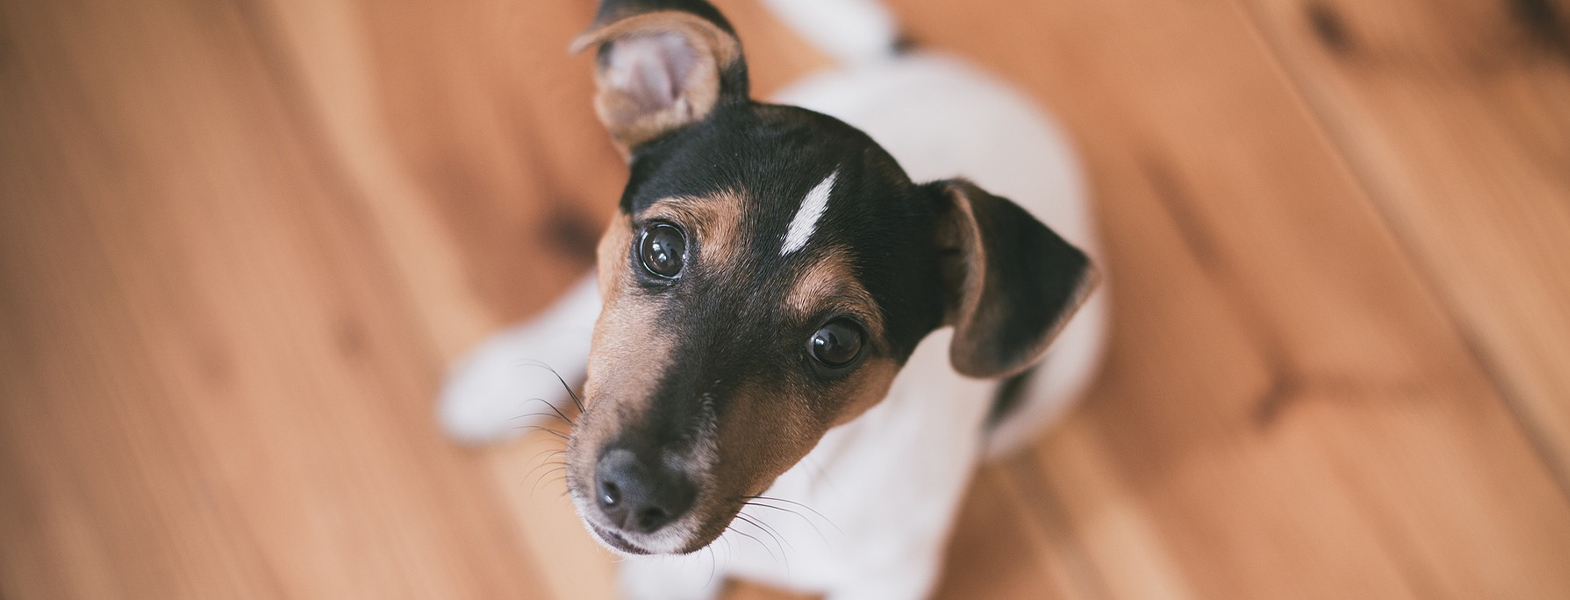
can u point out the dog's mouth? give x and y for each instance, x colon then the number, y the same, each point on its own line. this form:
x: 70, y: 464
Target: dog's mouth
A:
x: 686, y: 536
x: 611, y: 488
x: 615, y: 540
x: 699, y: 534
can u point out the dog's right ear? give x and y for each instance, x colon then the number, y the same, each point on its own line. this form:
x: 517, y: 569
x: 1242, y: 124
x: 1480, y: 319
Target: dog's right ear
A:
x: 662, y: 65
x: 1011, y: 281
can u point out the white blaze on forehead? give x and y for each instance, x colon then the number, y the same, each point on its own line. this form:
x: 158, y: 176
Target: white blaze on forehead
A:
x: 806, y: 220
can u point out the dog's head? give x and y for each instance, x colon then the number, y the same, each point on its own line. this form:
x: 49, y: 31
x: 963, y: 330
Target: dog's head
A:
x: 768, y: 273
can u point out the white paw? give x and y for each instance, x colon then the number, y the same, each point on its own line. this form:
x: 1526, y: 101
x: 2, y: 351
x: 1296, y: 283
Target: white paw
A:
x: 515, y: 379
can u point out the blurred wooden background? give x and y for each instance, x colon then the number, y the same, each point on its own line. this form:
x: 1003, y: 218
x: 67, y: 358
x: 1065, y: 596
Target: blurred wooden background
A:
x: 240, y: 239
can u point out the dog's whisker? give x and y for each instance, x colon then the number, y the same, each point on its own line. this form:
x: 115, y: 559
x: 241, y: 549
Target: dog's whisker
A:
x: 554, y: 467
x: 541, y: 415
x: 779, y: 538
x: 803, y: 517
x: 783, y: 557
x: 793, y: 502
x: 541, y: 480
x: 542, y: 428
x: 559, y: 414
x: 550, y: 460
x: 754, y: 538
x: 570, y: 393
x: 710, y: 581
x: 543, y: 465
x: 576, y: 401
x: 730, y: 551
x: 548, y: 452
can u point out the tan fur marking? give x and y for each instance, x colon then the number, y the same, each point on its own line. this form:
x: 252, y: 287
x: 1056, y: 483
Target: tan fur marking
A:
x: 611, y: 257
x: 831, y: 283
x: 626, y: 340
x: 713, y: 222
x: 765, y: 429
x: 958, y: 234
x: 769, y: 429
x: 869, y: 386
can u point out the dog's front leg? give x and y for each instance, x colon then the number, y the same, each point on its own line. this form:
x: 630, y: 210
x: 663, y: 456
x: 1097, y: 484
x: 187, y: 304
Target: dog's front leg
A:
x: 519, y: 376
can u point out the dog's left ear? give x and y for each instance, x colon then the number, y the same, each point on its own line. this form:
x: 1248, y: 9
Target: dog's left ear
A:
x: 661, y: 65
x: 1011, y: 282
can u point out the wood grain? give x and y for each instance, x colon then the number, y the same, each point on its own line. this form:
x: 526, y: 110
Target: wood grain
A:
x: 239, y: 241
x: 1456, y: 119
x: 213, y: 385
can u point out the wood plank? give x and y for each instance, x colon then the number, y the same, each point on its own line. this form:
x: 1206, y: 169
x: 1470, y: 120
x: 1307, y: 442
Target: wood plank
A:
x: 1288, y: 411
x: 1001, y: 548
x: 238, y: 241
x: 1176, y: 478
x: 1457, y: 119
x: 440, y: 116
x: 212, y: 384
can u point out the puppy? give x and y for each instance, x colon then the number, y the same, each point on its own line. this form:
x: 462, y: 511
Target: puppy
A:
x: 792, y: 350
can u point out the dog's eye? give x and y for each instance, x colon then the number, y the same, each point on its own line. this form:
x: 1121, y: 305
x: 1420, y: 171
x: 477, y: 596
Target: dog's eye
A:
x: 837, y: 344
x: 662, y: 249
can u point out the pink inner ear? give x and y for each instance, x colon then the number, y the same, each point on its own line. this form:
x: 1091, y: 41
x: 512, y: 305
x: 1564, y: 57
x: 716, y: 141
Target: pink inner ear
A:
x: 650, y: 69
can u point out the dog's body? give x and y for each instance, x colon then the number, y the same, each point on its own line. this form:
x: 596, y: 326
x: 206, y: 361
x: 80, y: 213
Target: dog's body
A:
x: 867, y: 512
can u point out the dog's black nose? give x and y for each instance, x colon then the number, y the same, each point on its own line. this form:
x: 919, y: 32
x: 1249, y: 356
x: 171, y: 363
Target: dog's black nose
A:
x: 640, y: 495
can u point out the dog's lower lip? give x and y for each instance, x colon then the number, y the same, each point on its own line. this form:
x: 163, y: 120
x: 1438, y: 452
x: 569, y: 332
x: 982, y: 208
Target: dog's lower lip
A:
x: 617, y: 541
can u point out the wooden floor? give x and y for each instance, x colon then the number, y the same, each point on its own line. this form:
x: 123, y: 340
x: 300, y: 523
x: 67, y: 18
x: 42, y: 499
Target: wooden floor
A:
x: 240, y: 239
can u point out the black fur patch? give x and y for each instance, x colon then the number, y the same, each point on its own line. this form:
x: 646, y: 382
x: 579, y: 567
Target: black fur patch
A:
x: 733, y: 324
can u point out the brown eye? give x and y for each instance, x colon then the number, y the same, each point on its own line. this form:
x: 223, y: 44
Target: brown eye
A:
x: 662, y: 250
x: 837, y: 344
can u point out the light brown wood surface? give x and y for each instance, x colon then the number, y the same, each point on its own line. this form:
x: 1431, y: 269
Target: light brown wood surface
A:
x: 240, y: 241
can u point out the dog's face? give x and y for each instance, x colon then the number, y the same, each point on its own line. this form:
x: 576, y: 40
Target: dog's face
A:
x: 768, y: 273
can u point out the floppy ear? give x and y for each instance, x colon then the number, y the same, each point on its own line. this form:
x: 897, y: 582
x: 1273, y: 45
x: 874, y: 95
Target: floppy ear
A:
x: 1010, y: 282
x: 662, y: 65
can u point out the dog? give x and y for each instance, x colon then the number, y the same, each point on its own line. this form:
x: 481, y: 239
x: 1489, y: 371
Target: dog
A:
x: 806, y: 331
